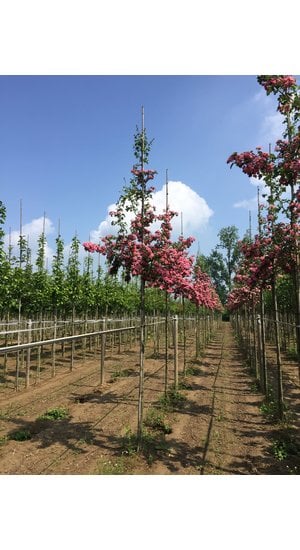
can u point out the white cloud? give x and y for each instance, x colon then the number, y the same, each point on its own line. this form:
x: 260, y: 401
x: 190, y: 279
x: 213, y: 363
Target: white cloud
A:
x: 271, y: 127
x: 32, y: 231
x: 250, y: 204
x: 182, y: 198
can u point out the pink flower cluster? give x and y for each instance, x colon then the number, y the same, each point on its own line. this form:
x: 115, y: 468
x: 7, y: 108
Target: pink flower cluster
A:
x: 144, y: 175
x: 162, y: 263
x: 256, y: 165
x: 273, y: 252
x: 274, y: 83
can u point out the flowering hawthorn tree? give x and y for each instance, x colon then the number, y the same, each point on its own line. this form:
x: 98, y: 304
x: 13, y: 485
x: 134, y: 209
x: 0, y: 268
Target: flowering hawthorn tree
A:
x: 279, y: 247
x: 140, y: 249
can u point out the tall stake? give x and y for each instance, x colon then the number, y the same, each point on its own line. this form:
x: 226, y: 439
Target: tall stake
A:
x: 276, y: 322
x: 142, y: 300
x: 166, y: 303
x: 261, y: 325
x: 296, y: 270
x: 183, y: 315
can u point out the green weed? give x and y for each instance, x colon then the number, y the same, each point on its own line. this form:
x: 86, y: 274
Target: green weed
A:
x: 172, y: 400
x: 55, y: 414
x: 116, y: 466
x: 279, y: 450
x: 149, y: 446
x: 255, y: 387
x: 156, y: 421
x: 192, y: 371
x: 119, y: 373
x: 284, y: 447
x: 20, y: 435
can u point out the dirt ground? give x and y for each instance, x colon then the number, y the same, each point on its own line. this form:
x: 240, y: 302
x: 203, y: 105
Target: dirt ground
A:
x: 214, y: 424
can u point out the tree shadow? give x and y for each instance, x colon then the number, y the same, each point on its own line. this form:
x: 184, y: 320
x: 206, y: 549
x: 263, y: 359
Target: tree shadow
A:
x: 49, y: 432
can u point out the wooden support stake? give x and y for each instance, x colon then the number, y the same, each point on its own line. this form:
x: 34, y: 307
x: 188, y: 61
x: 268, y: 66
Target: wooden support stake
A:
x: 27, y: 379
x: 175, y: 339
x: 103, y: 343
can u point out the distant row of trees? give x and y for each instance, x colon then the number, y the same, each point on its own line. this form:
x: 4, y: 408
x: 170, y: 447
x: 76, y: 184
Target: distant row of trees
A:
x: 29, y: 289
x: 70, y: 287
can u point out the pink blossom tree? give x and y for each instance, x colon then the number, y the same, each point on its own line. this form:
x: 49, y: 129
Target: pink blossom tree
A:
x: 278, y: 248
x: 143, y: 246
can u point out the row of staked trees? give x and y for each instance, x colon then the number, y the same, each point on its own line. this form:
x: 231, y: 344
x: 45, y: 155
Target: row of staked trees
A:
x: 69, y: 289
x: 268, y: 274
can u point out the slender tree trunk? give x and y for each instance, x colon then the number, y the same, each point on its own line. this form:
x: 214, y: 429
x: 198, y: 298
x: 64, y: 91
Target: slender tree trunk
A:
x: 142, y: 361
x: 278, y: 355
x: 184, y: 336
x: 166, y: 340
x: 263, y: 366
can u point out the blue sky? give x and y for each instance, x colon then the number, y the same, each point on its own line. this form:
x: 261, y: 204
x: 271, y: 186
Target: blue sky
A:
x: 66, y: 147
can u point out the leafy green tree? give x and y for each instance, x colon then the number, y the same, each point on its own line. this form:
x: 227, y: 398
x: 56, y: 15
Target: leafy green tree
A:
x: 73, y: 278
x: 228, y: 237
x: 87, y: 290
x: 41, y: 280
x: 58, y: 279
x: 214, y: 266
x: 5, y: 268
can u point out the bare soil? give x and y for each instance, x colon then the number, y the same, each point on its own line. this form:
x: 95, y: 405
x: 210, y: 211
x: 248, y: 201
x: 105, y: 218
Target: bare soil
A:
x: 216, y: 428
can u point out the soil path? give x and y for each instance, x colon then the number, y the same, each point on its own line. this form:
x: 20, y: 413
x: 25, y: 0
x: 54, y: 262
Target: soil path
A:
x: 218, y: 429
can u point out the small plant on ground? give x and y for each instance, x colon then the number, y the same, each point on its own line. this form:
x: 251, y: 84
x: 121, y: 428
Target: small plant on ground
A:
x: 149, y: 445
x: 58, y: 413
x: 20, y: 435
x: 120, y: 373
x: 172, y: 400
x: 184, y: 385
x: 156, y: 421
x: 270, y: 409
x: 255, y: 388
x: 192, y: 371
x: 284, y: 447
x: 279, y: 450
x: 114, y: 466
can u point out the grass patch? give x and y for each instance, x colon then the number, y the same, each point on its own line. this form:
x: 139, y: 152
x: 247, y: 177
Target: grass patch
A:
x: 270, y: 409
x: 255, y: 387
x: 120, y: 465
x: 192, y: 371
x: 284, y: 447
x: 120, y: 373
x: 3, y: 439
x: 152, y: 443
x: 58, y: 413
x: 156, y: 420
x: 172, y: 400
x: 20, y: 435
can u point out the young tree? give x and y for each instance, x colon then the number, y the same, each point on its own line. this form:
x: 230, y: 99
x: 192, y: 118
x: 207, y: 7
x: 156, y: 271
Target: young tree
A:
x: 140, y: 252
x: 228, y: 237
x: 58, y: 279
